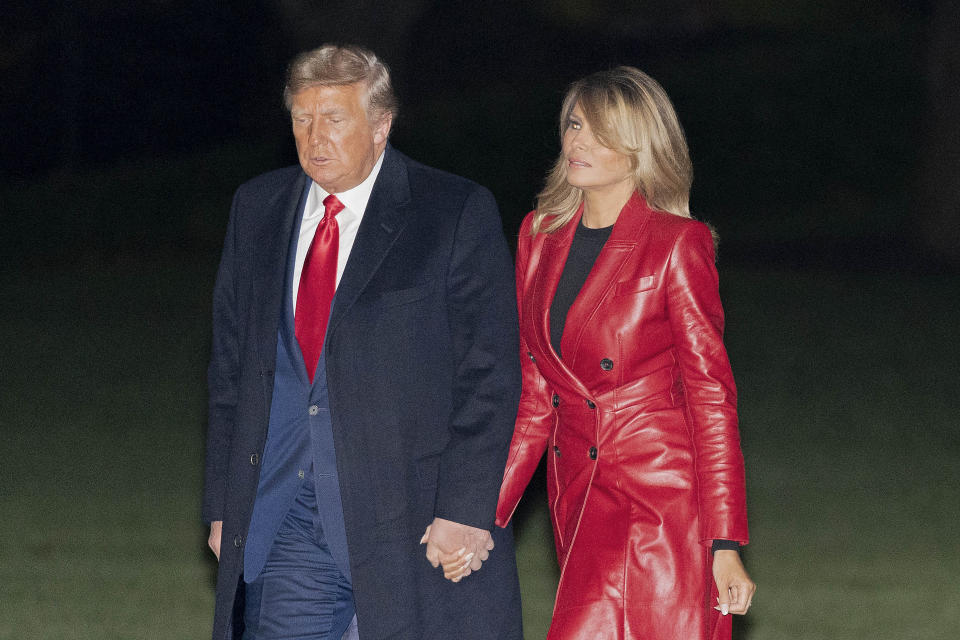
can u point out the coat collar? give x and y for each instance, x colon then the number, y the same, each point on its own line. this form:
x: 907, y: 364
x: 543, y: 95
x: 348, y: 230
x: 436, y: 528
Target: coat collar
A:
x: 276, y: 246
x: 382, y: 222
x: 272, y: 256
x: 621, y: 244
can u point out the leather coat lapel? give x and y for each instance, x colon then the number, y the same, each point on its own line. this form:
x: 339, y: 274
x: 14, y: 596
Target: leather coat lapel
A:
x: 556, y: 247
x: 618, y: 248
x: 271, y: 258
x: 382, y: 223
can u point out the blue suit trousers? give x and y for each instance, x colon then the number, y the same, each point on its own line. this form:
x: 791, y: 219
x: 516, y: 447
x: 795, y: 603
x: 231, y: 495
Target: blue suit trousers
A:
x: 301, y: 593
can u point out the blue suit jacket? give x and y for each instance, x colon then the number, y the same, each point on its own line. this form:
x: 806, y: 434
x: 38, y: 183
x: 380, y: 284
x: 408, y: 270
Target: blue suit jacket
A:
x: 421, y: 362
x: 299, y: 438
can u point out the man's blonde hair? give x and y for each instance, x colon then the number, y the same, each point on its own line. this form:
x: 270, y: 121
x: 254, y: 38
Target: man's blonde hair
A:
x: 337, y: 65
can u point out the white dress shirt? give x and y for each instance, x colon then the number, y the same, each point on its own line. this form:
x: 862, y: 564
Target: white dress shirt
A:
x: 348, y: 221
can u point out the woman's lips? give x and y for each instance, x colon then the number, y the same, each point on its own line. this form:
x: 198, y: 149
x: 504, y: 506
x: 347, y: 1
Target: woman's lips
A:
x: 577, y: 164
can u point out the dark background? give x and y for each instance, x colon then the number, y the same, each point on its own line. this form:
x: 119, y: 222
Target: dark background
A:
x: 826, y: 146
x: 820, y: 132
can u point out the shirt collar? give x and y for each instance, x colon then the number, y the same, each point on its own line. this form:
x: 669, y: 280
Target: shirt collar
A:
x: 354, y: 200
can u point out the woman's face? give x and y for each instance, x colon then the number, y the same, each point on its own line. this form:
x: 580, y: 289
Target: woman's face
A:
x: 590, y: 165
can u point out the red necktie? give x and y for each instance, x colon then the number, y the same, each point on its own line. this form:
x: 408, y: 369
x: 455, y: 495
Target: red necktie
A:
x: 318, y: 281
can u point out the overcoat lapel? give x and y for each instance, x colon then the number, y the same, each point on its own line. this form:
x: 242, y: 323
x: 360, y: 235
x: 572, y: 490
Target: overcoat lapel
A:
x: 382, y: 223
x: 271, y: 256
x: 622, y: 243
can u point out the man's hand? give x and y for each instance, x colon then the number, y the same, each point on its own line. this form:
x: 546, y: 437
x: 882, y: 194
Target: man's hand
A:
x: 216, y: 532
x: 734, y: 585
x: 460, y: 548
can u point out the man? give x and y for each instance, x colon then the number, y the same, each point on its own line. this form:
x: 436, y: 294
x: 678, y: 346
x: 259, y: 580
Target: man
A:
x: 363, y: 384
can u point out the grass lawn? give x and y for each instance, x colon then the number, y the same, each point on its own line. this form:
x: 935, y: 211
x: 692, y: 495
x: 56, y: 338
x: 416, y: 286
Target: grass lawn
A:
x: 849, y: 417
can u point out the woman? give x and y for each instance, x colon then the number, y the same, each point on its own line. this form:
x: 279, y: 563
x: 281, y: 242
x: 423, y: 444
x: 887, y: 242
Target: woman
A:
x: 626, y: 382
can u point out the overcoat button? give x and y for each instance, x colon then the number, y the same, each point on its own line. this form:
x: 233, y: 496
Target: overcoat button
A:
x: 556, y: 450
x: 606, y: 364
x: 593, y: 453
x: 591, y: 405
x: 532, y: 359
x: 254, y: 459
x: 313, y: 410
x: 237, y: 541
x: 556, y: 400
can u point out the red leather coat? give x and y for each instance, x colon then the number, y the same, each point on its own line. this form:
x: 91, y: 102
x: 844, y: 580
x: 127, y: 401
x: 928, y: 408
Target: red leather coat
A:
x: 640, y: 426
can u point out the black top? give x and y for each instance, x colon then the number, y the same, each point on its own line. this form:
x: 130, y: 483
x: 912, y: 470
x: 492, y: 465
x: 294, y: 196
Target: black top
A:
x: 584, y: 250
x: 586, y: 246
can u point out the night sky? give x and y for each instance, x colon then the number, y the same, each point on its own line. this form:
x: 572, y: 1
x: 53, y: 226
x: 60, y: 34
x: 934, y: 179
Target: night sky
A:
x: 812, y: 127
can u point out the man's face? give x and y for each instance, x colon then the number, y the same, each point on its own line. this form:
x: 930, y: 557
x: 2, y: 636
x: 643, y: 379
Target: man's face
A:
x: 336, y: 143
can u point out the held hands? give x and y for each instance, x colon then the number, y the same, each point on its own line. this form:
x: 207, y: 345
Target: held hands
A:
x: 460, y: 548
x: 733, y: 584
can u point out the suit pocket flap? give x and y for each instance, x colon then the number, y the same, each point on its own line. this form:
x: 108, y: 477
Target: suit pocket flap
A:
x: 644, y: 283
x: 404, y: 296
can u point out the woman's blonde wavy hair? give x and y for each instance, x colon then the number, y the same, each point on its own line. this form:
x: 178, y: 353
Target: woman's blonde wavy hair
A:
x: 628, y: 112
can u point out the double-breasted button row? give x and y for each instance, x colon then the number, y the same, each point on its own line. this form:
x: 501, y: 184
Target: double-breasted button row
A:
x: 606, y: 364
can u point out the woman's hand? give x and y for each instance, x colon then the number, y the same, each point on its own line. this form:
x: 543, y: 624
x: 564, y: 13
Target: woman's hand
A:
x: 443, y: 536
x: 733, y: 584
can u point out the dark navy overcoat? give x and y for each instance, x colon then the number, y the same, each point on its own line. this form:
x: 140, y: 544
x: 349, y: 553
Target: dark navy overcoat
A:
x: 423, y: 377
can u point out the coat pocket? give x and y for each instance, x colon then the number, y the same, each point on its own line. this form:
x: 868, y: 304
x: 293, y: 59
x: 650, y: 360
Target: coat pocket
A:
x: 398, y: 297
x: 638, y: 285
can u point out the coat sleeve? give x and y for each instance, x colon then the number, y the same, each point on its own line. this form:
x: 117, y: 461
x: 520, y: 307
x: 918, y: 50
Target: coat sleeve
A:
x: 535, y: 418
x: 696, y: 321
x: 222, y: 377
x: 482, y: 318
